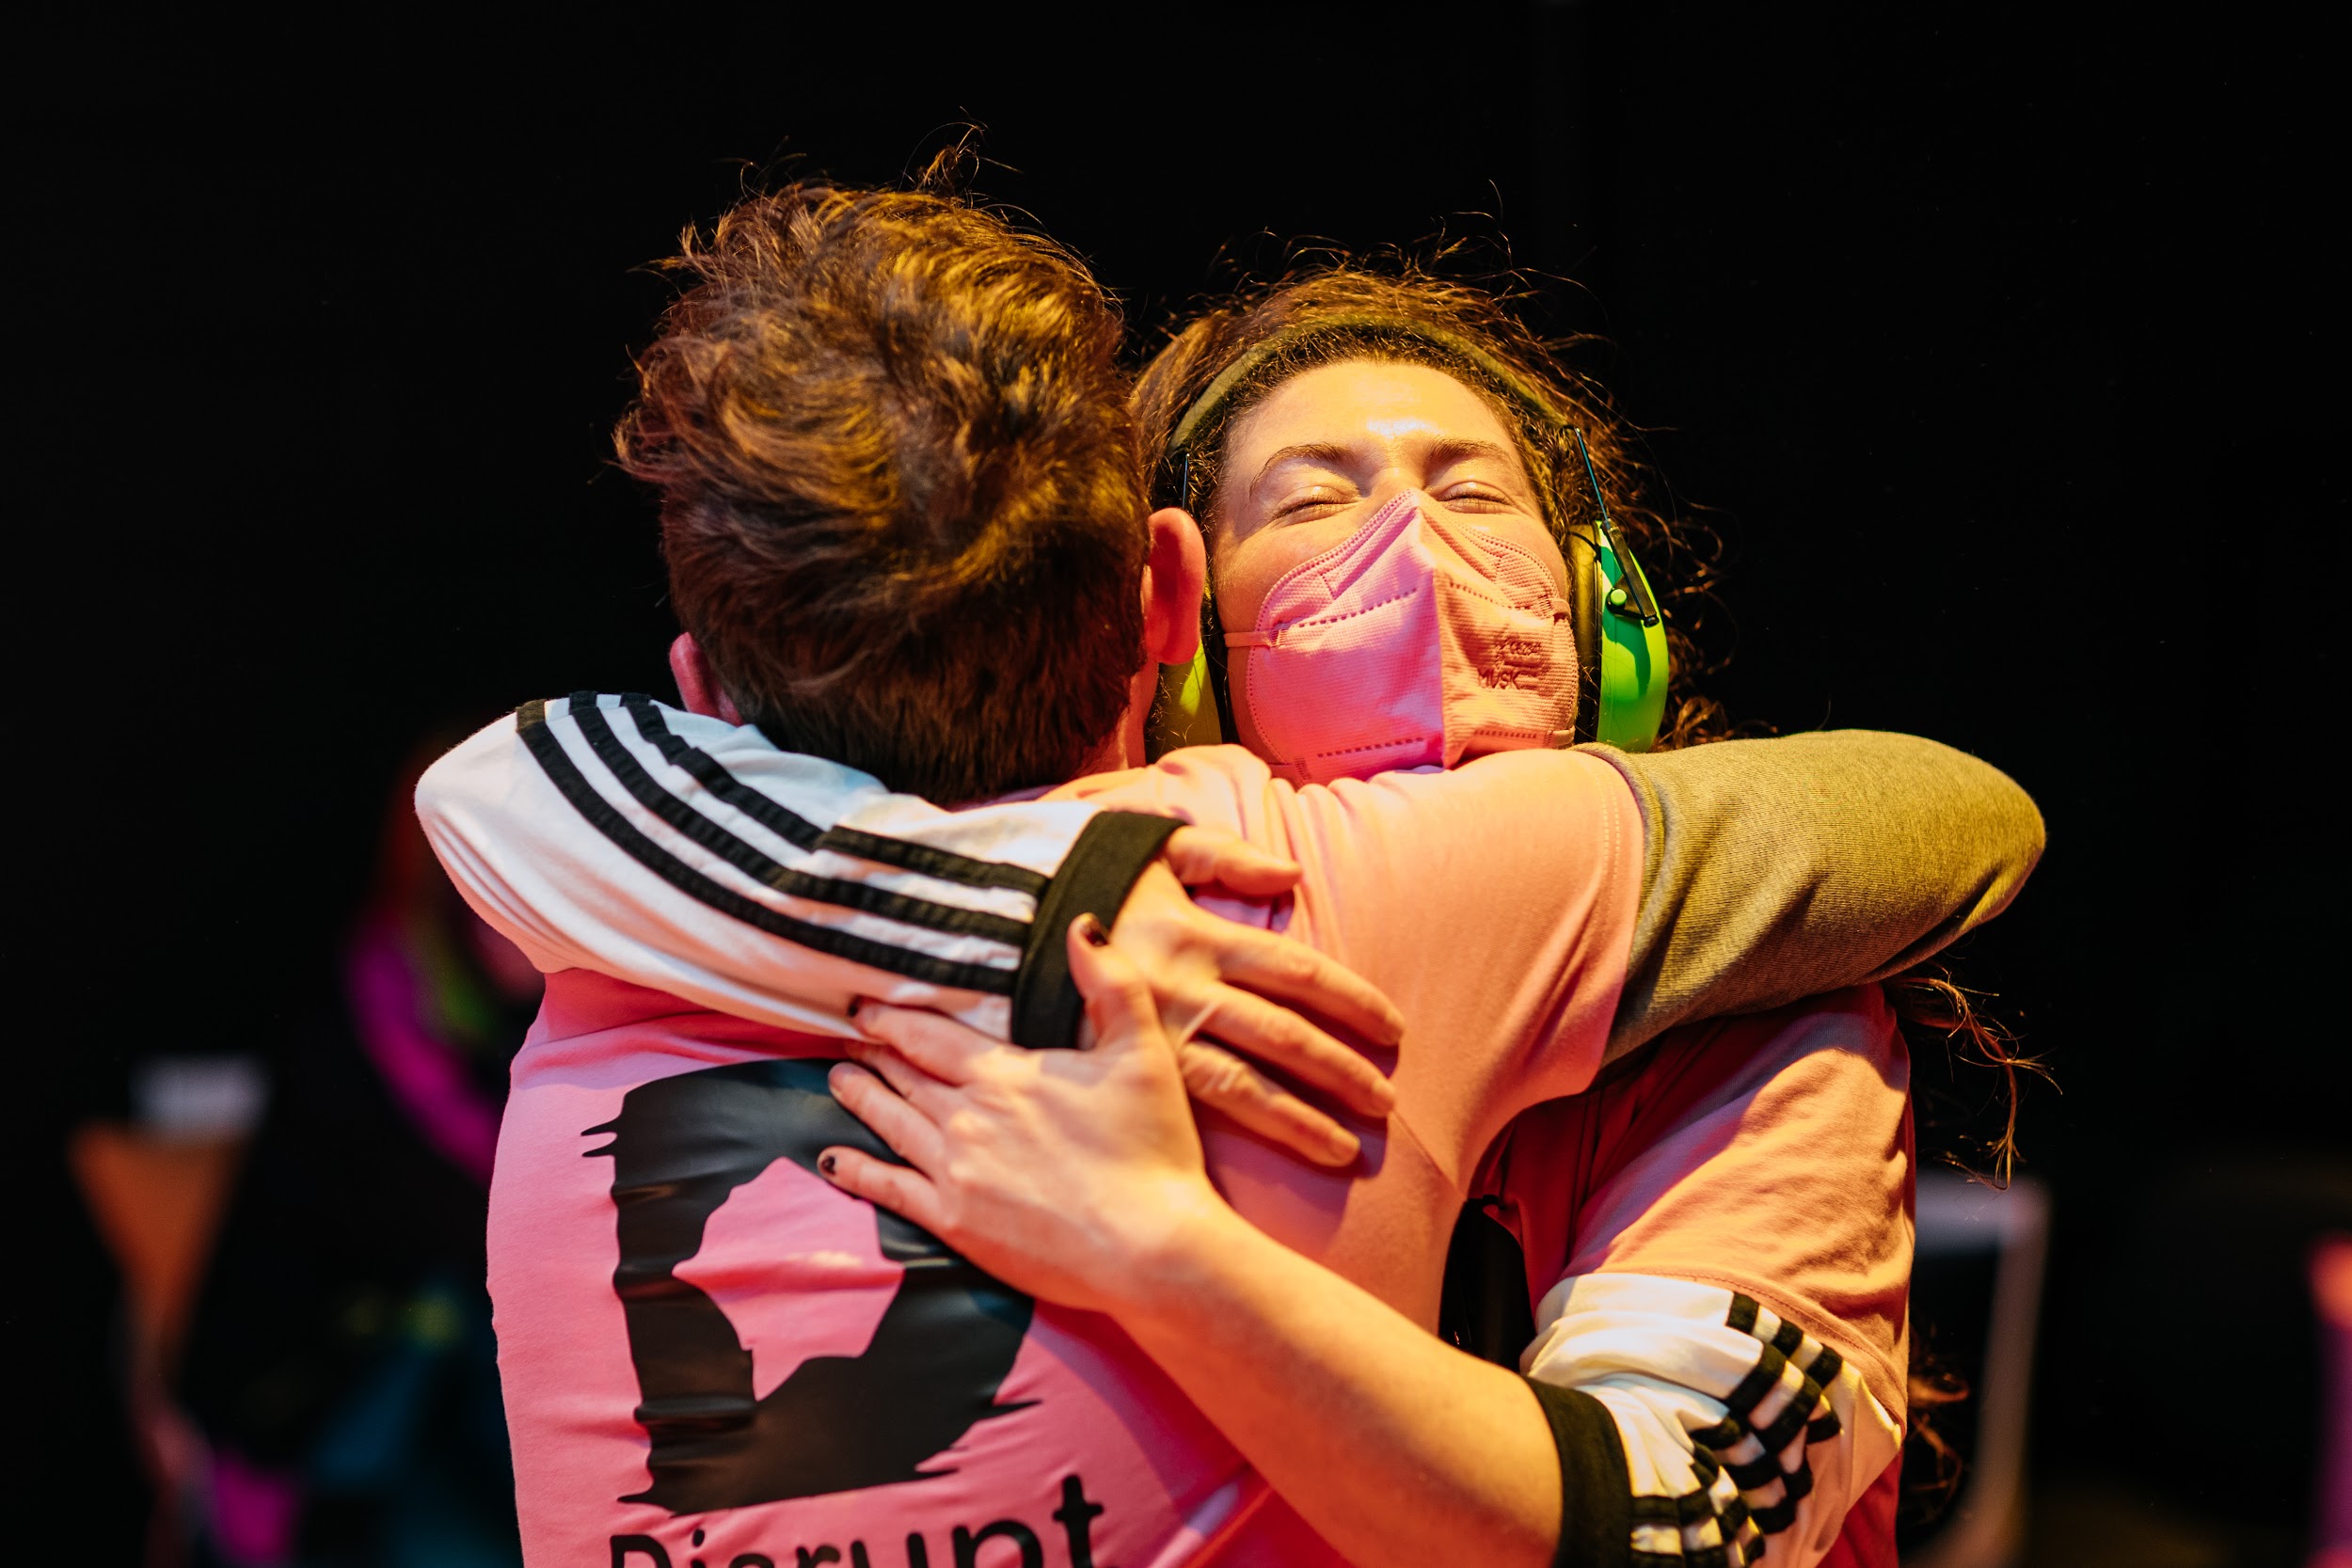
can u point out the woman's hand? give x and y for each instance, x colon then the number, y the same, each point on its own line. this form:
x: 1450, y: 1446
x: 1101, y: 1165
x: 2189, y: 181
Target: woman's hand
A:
x: 1077, y: 1175
x: 1060, y: 1172
x: 1216, y: 984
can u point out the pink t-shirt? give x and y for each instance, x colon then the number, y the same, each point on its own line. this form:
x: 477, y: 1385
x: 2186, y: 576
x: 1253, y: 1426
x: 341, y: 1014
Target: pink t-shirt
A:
x: 710, y: 1356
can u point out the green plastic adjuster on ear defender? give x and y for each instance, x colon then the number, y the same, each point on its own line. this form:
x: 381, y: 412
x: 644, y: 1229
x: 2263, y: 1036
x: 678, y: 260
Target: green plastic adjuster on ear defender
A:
x: 1633, y: 664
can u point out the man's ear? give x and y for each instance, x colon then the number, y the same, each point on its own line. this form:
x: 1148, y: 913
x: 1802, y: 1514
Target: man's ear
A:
x: 697, y: 683
x: 1174, y: 578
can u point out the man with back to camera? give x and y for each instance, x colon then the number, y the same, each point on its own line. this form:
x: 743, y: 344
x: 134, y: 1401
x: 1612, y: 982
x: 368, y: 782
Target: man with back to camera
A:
x: 887, y: 429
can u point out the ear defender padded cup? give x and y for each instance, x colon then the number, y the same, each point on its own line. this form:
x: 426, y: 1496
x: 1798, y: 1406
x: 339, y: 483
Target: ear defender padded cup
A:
x: 1633, y: 665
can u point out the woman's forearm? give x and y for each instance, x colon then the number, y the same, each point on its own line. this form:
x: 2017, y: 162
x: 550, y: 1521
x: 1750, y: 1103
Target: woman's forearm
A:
x: 1397, y: 1448
x: 1779, y: 869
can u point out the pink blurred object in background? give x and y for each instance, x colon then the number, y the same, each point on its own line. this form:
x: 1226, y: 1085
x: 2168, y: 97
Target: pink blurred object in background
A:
x: 2331, y: 1294
x: 255, y: 1512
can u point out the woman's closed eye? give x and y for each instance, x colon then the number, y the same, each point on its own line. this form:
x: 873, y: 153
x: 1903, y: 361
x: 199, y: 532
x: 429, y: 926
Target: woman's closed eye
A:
x: 1313, y: 501
x: 1477, y: 495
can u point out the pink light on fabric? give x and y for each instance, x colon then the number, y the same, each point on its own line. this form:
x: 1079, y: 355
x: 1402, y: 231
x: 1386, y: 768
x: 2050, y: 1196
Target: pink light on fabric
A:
x: 1415, y: 643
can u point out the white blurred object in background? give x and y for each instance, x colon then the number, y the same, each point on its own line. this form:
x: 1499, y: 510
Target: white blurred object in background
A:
x: 1986, y: 1527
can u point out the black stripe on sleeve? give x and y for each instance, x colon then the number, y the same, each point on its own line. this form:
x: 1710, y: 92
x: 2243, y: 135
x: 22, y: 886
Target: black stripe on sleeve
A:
x: 1723, y: 1435
x: 1110, y: 852
x: 1743, y: 1399
x: 649, y: 793
x: 1688, y: 1508
x: 1694, y: 1556
x: 531, y: 724
x: 790, y: 825
x: 1596, y: 1488
x: 1791, y: 1420
x: 1825, y: 1427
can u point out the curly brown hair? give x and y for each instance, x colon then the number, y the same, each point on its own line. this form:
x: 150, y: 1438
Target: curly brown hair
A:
x: 1679, y: 559
x: 901, y: 504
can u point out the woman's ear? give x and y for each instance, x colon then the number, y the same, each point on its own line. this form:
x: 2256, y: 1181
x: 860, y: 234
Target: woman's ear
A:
x: 1174, y: 578
x: 697, y: 683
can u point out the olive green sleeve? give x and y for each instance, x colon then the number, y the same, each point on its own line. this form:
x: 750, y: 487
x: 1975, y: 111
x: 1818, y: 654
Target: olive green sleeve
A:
x: 1774, y: 870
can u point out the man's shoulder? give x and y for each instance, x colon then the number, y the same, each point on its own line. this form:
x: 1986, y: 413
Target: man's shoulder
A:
x: 1203, y: 770
x: 1199, y: 778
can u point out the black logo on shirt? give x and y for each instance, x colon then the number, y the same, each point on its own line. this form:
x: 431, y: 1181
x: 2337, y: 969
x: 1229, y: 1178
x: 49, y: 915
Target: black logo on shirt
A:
x: 838, y: 1423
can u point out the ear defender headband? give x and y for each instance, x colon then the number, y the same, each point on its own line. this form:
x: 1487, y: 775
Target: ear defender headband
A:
x: 1621, y: 658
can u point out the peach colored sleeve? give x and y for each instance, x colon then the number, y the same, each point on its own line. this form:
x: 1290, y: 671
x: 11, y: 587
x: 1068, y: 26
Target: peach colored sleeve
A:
x: 1735, y: 1277
x: 1792, y: 1183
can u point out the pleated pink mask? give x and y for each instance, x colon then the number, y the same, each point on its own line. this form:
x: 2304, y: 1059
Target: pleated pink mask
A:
x: 1416, y: 642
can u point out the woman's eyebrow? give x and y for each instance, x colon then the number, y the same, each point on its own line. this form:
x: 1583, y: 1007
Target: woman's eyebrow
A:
x: 1444, y: 453
x: 1331, y: 454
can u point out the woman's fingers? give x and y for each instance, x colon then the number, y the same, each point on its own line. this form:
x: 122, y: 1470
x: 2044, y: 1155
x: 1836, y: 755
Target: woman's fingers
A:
x: 1206, y: 856
x: 938, y: 1044
x: 908, y: 1082
x: 902, y: 1191
x: 1218, y: 1078
x: 1279, y: 1037
x: 1293, y: 972
x: 1118, y: 1002
x: 909, y: 1133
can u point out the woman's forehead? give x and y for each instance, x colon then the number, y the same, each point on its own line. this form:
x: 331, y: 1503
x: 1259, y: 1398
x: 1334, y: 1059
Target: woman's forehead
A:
x: 1374, y: 402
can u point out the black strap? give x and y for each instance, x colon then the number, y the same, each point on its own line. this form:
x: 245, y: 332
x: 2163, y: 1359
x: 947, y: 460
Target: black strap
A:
x: 1095, y: 878
x: 1213, y: 651
x: 1596, y: 1488
x: 1484, y: 1308
x: 1585, y: 608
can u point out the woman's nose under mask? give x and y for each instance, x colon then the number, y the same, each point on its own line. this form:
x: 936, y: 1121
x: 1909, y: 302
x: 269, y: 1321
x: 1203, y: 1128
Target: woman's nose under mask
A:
x: 1417, y: 642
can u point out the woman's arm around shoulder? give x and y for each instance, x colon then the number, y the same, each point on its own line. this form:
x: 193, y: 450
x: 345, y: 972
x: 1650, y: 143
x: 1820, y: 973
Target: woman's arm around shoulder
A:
x: 1779, y: 869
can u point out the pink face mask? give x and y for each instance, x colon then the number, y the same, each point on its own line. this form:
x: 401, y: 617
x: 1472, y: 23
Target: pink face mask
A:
x: 1416, y: 642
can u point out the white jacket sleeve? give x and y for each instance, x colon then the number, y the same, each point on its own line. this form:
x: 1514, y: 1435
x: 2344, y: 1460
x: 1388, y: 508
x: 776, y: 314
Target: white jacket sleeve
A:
x: 692, y: 856
x: 1745, y: 1439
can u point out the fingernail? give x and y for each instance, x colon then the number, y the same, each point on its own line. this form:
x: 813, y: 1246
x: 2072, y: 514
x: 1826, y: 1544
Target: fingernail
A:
x: 1092, y: 929
x: 825, y: 1162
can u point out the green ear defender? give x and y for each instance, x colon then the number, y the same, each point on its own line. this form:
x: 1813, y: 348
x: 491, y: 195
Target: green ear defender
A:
x: 1620, y: 637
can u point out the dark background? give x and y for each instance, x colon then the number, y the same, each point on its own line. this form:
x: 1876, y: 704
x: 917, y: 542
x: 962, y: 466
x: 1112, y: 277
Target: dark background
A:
x: 1999, y: 350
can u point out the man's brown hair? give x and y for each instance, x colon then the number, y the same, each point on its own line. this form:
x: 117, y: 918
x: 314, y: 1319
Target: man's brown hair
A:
x: 901, y: 500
